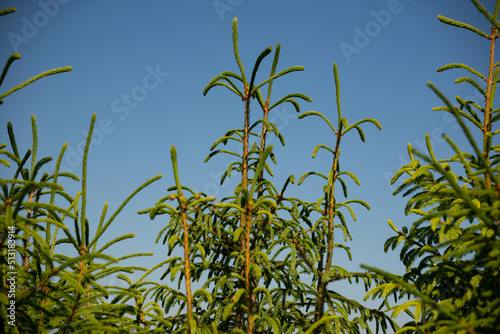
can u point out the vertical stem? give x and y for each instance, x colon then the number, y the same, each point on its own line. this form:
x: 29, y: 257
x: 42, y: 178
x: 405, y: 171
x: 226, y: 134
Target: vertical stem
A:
x: 487, y: 110
x: 248, y: 284
x: 265, y: 109
x: 321, y: 298
x: 183, y: 208
x: 331, y: 205
x: 186, y: 264
x: 329, y: 215
x: 244, y: 178
x: 246, y: 217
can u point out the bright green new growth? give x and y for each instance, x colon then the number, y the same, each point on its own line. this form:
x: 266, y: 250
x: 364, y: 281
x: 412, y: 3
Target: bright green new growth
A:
x: 260, y: 260
x: 452, y: 252
x: 266, y: 260
x: 59, y: 281
x: 16, y: 56
x: 57, y: 291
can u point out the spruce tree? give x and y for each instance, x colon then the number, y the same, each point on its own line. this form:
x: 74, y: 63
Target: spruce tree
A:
x: 264, y: 260
x: 452, y: 251
x: 54, y: 267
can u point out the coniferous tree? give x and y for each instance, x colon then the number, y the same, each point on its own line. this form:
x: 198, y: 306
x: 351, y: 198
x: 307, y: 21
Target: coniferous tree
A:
x: 264, y: 260
x: 260, y: 260
x: 53, y: 262
x: 452, y: 252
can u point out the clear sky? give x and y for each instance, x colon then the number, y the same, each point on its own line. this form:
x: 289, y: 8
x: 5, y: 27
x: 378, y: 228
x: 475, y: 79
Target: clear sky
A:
x: 142, y: 67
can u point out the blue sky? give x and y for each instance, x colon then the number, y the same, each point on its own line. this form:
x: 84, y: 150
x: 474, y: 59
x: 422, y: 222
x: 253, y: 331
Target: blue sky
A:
x: 142, y: 69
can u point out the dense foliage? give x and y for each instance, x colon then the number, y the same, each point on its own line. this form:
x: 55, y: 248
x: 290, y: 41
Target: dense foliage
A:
x: 265, y: 259
x: 262, y: 261
x: 452, y: 252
